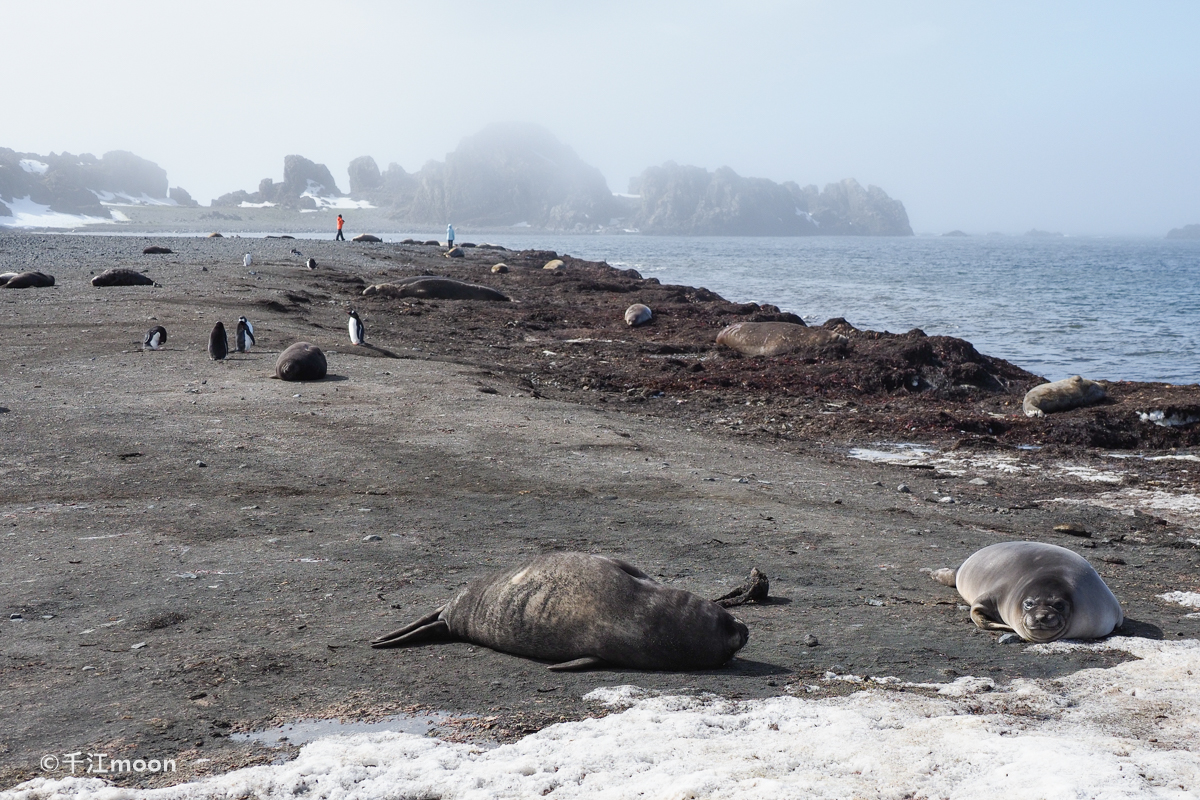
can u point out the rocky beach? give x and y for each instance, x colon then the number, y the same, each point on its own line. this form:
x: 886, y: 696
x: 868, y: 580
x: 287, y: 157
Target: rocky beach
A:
x: 194, y: 551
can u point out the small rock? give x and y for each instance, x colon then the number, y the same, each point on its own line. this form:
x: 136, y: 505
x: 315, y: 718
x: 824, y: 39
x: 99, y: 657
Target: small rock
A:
x: 499, y: 268
x: 137, y: 646
x: 903, y: 489
x: 373, y: 537
x: 877, y: 483
x: 198, y: 696
x: 946, y: 499
x: 201, y: 464
x: 810, y: 640
x: 15, y: 616
x: 1072, y: 529
x: 1009, y: 638
x: 978, y: 482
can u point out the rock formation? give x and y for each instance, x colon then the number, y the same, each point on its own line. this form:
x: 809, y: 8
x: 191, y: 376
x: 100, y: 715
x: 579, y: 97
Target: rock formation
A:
x: 302, y: 181
x: 72, y: 184
x: 1186, y: 232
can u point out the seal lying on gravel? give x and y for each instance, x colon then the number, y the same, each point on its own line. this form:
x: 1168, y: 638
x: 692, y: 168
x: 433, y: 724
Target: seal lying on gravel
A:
x: 1041, y: 592
x: 637, y: 314
x: 1062, y: 396
x: 435, y: 288
x: 121, y: 277
x: 301, y: 362
x: 583, y: 611
x: 775, y: 338
x: 366, y: 237
x: 156, y: 250
x: 26, y: 280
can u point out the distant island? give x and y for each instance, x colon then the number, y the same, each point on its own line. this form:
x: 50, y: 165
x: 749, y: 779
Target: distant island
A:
x: 507, y: 175
x: 1186, y: 232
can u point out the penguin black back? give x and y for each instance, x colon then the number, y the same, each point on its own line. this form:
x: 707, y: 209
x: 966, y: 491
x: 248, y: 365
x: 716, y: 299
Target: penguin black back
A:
x: 156, y: 337
x: 245, y: 335
x: 218, y: 343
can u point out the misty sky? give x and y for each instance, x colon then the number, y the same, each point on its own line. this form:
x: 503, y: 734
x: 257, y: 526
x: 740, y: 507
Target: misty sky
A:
x: 1081, y: 117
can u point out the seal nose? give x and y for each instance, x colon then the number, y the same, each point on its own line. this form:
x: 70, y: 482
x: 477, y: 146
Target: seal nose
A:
x: 742, y: 633
x: 1046, y: 618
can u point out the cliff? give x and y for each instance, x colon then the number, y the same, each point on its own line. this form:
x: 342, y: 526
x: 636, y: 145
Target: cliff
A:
x: 303, y: 182
x: 80, y: 184
x: 1186, y: 232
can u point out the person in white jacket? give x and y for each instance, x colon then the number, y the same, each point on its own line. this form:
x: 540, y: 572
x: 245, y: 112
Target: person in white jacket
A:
x: 449, y: 236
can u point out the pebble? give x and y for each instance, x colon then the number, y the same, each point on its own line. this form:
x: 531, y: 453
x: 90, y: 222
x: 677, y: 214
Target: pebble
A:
x: 946, y: 499
x: 979, y: 482
x: 373, y: 537
x: 1072, y: 529
x: 1009, y: 638
x: 810, y: 640
x: 138, y: 646
x: 15, y: 616
x: 903, y: 489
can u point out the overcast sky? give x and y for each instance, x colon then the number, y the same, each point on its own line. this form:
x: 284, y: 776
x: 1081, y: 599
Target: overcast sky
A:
x: 985, y: 116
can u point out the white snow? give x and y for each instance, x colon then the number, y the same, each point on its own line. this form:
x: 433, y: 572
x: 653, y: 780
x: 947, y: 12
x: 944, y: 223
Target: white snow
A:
x: 1129, y: 731
x: 28, y: 214
x: 1189, y: 599
x: 337, y: 202
x: 248, y: 204
x: 33, y: 166
x: 117, y: 216
x: 107, y: 198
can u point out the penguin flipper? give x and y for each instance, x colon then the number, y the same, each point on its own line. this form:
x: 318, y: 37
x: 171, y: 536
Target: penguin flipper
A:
x: 429, y: 628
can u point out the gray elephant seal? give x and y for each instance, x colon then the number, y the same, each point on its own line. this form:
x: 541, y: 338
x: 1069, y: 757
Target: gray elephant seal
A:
x: 1041, y: 592
x: 366, y: 237
x: 301, y: 362
x: 583, y: 611
x: 121, y: 277
x: 27, y: 280
x: 637, y: 314
x: 1062, y: 396
x: 775, y: 338
x: 434, y: 288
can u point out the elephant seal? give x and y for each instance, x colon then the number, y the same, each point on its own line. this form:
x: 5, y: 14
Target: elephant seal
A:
x: 156, y: 250
x: 555, y: 265
x: 775, y: 338
x: 499, y: 269
x: 121, y: 277
x: 215, y: 235
x: 582, y: 611
x: 301, y: 362
x: 637, y: 314
x: 455, y: 252
x: 1041, y: 592
x: 1062, y: 395
x: 29, y: 280
x: 434, y: 288
x: 366, y: 237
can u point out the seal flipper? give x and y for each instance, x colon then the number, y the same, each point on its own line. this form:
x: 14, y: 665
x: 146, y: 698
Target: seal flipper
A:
x: 578, y: 665
x: 428, y: 628
x: 984, y: 616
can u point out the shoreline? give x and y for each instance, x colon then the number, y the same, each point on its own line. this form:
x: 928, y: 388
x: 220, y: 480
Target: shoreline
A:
x: 471, y: 435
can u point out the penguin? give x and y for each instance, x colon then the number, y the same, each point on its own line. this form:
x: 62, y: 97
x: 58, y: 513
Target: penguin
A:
x: 156, y: 337
x: 297, y: 253
x: 218, y: 343
x: 245, y: 335
x: 247, y: 260
x: 358, y: 333
x: 312, y: 263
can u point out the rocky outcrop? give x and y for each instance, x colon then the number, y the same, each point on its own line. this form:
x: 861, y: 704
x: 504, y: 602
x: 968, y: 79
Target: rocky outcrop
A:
x: 181, y: 197
x: 72, y: 184
x: 686, y: 200
x: 303, y: 180
x: 1186, y: 232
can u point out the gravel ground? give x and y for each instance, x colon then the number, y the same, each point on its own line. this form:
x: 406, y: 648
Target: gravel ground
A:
x: 193, y: 549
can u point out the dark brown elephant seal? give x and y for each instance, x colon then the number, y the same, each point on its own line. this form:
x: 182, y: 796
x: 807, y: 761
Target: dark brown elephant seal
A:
x: 435, y: 288
x: 1062, y: 395
x: 28, y: 280
x: 775, y: 338
x: 156, y: 250
x: 582, y: 611
x: 301, y: 362
x: 121, y: 277
x: 1041, y: 592
x: 366, y: 237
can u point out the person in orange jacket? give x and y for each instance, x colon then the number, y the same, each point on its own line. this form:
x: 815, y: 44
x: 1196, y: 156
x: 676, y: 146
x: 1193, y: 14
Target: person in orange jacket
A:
x: 339, y: 236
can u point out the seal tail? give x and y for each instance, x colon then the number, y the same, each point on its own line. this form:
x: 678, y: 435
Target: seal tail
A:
x: 945, y: 576
x: 428, y: 628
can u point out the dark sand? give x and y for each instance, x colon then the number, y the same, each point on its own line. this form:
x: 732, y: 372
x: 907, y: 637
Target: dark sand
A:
x: 214, y: 518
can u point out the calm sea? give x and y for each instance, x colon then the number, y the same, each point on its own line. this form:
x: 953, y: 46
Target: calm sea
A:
x: 1111, y: 309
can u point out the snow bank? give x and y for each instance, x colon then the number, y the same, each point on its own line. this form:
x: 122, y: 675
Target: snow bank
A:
x: 28, y: 214
x: 1130, y: 731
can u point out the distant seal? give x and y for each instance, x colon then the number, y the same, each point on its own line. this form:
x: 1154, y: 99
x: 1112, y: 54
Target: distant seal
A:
x: 637, y: 314
x: 1041, y: 592
x: 554, y: 265
x: 775, y: 338
x: 28, y: 280
x: 583, y: 611
x: 5, y: 277
x: 156, y: 250
x: 499, y: 269
x: 366, y: 237
x: 156, y: 337
x: 435, y: 288
x: 121, y: 277
x: 215, y: 235
x: 218, y: 342
x: 301, y: 362
x: 1063, y: 395
x: 455, y: 252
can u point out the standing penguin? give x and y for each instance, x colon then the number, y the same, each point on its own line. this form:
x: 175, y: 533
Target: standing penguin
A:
x: 218, y: 343
x: 358, y: 333
x: 312, y: 263
x: 247, y: 260
x: 245, y: 335
x: 156, y: 337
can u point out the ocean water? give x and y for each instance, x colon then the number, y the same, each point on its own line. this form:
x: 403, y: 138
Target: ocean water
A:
x: 1109, y: 309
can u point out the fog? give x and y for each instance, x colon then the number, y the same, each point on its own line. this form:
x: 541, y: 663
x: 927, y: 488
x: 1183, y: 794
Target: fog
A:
x: 1081, y: 118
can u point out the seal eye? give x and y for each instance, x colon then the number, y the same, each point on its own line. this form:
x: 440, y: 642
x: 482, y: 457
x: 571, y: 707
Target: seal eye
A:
x: 1027, y: 605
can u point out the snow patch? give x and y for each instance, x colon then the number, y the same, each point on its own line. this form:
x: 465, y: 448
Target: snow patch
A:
x: 28, y: 214
x: 248, y: 204
x: 1128, y: 731
x: 1189, y: 599
x: 107, y: 198
x: 33, y: 166
x: 1164, y: 420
